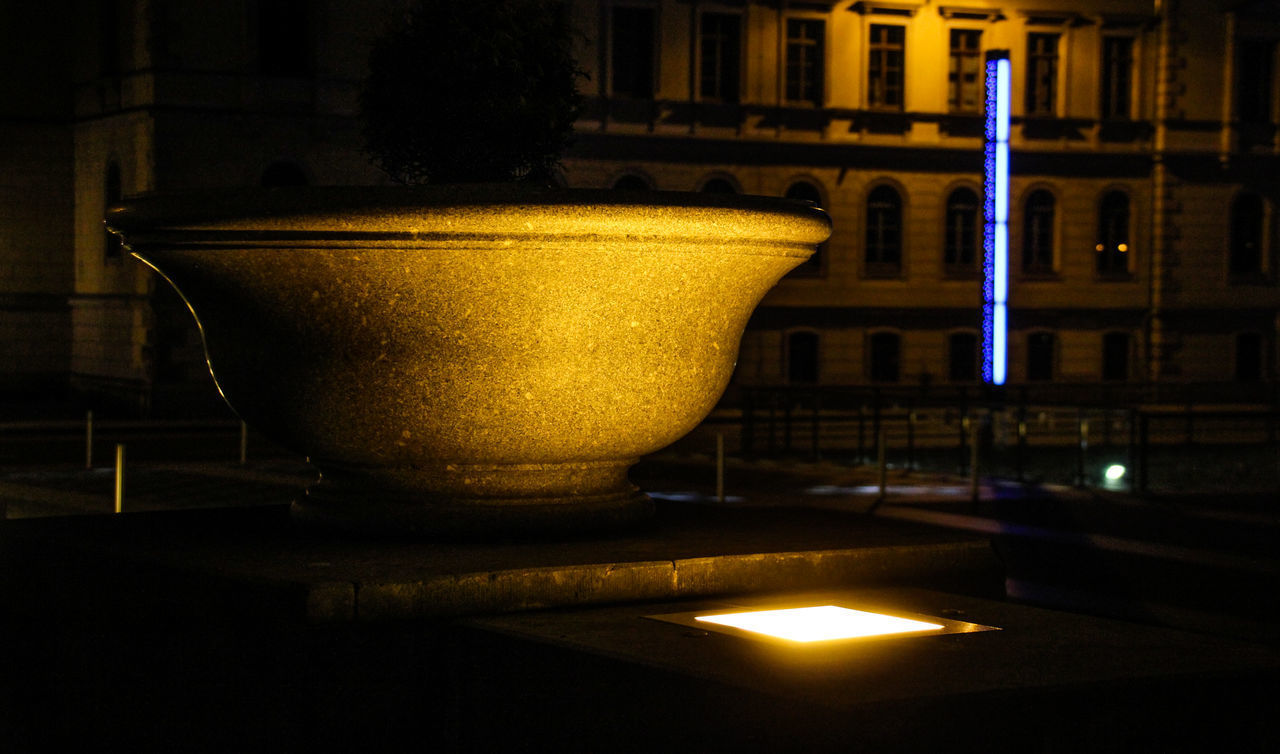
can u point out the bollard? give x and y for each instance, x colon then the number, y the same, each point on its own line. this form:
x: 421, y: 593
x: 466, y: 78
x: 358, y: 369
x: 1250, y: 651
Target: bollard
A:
x: 880, y: 462
x: 720, y: 467
x: 88, y: 439
x: 119, y: 478
x: 244, y: 443
x: 973, y: 462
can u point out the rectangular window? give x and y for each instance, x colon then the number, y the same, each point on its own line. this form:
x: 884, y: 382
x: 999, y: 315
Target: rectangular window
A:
x: 964, y: 80
x: 1115, y: 356
x: 805, y: 60
x: 720, y: 52
x: 631, y: 59
x: 1255, y: 69
x: 1042, y: 74
x: 1117, y: 77
x: 887, y: 52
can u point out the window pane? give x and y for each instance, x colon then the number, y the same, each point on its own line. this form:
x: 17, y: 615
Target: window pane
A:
x: 884, y: 357
x: 1040, y: 348
x: 1248, y: 357
x: 964, y: 79
x: 884, y: 223
x: 1246, y: 235
x: 1255, y: 63
x: 885, y: 66
x: 960, y: 249
x: 804, y: 60
x: 632, y: 54
x: 1115, y: 356
x: 720, y: 50
x: 1117, y: 73
x: 1037, y: 232
x: 1042, y: 74
x: 802, y: 358
x: 962, y: 355
x: 1112, y: 248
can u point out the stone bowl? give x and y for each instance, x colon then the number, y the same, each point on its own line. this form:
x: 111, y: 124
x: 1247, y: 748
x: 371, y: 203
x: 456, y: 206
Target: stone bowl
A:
x: 470, y: 360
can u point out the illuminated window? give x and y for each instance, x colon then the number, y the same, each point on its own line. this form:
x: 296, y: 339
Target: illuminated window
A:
x: 1040, y: 356
x: 885, y: 357
x: 807, y: 192
x: 1117, y: 77
x: 1037, y: 232
x: 961, y: 245
x: 962, y: 357
x: 1115, y: 356
x: 802, y: 358
x: 1245, y: 258
x: 720, y: 57
x: 1248, y: 357
x: 632, y: 52
x: 805, y: 56
x: 887, y: 53
x: 284, y: 37
x: 884, y: 232
x: 1254, y: 80
x: 964, y: 79
x: 1112, y: 250
x: 113, y: 192
x: 1042, y: 74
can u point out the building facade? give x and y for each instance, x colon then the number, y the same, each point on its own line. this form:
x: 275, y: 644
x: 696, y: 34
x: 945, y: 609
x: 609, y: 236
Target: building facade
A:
x: 1143, y: 208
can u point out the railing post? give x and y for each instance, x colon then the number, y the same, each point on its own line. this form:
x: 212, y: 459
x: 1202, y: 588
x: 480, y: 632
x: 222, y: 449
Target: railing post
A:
x: 88, y: 439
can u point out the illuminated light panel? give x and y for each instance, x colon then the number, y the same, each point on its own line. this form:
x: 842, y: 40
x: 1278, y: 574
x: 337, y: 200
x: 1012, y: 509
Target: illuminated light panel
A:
x: 995, y: 207
x: 1115, y: 472
x: 820, y: 623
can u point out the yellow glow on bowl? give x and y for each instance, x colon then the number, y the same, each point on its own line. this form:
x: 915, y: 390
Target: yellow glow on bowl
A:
x: 820, y: 623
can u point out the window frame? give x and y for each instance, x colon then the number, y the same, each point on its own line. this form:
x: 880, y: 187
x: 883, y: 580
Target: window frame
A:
x: 1108, y: 374
x: 807, y: 91
x: 1105, y: 257
x: 789, y: 343
x: 1035, y: 267
x: 1032, y: 94
x: 1259, y: 269
x: 1116, y: 98
x: 955, y: 82
x: 973, y: 355
x: 879, y: 267
x: 876, y: 373
x: 720, y: 76
x: 612, y: 55
x: 952, y: 243
x: 879, y: 71
x: 1035, y: 374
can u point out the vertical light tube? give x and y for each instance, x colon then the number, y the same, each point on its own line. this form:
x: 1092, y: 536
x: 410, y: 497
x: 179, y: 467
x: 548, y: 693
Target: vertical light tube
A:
x: 995, y: 206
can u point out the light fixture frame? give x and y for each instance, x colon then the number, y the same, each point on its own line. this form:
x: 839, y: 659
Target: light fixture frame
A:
x: 995, y: 206
x: 689, y: 619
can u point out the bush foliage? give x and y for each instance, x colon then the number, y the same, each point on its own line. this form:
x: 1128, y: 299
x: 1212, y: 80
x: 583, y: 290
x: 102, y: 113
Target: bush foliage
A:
x: 468, y: 91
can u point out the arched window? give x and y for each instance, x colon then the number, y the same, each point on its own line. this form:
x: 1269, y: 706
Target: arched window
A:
x: 1115, y: 356
x: 885, y: 357
x: 962, y: 357
x: 884, y: 232
x: 1037, y: 232
x: 1040, y: 356
x: 806, y: 192
x: 631, y: 182
x: 1248, y: 357
x: 283, y: 173
x: 960, y: 248
x: 113, y: 192
x: 1246, y: 235
x: 802, y: 358
x: 718, y: 186
x: 1113, y: 246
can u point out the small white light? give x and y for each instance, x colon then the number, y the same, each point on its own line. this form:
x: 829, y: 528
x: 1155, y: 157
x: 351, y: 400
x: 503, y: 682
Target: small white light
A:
x: 1114, y: 472
x: 820, y: 623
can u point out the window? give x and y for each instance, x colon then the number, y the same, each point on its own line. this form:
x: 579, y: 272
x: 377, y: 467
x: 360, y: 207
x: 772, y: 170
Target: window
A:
x: 719, y: 186
x: 805, y: 60
x: 631, y: 182
x: 1040, y: 347
x: 807, y: 192
x: 720, y: 57
x: 1037, y: 233
x: 961, y: 245
x: 284, y: 37
x: 884, y: 69
x: 1115, y: 356
x: 884, y: 231
x: 964, y: 79
x: 109, y: 38
x: 962, y: 357
x: 1248, y: 357
x: 113, y: 192
x: 802, y: 358
x: 632, y: 54
x: 1042, y: 74
x: 884, y: 357
x: 1117, y: 77
x: 1113, y: 234
x: 1246, y: 236
x: 1255, y: 70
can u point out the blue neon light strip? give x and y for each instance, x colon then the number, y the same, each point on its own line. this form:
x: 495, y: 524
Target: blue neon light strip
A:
x: 995, y: 280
